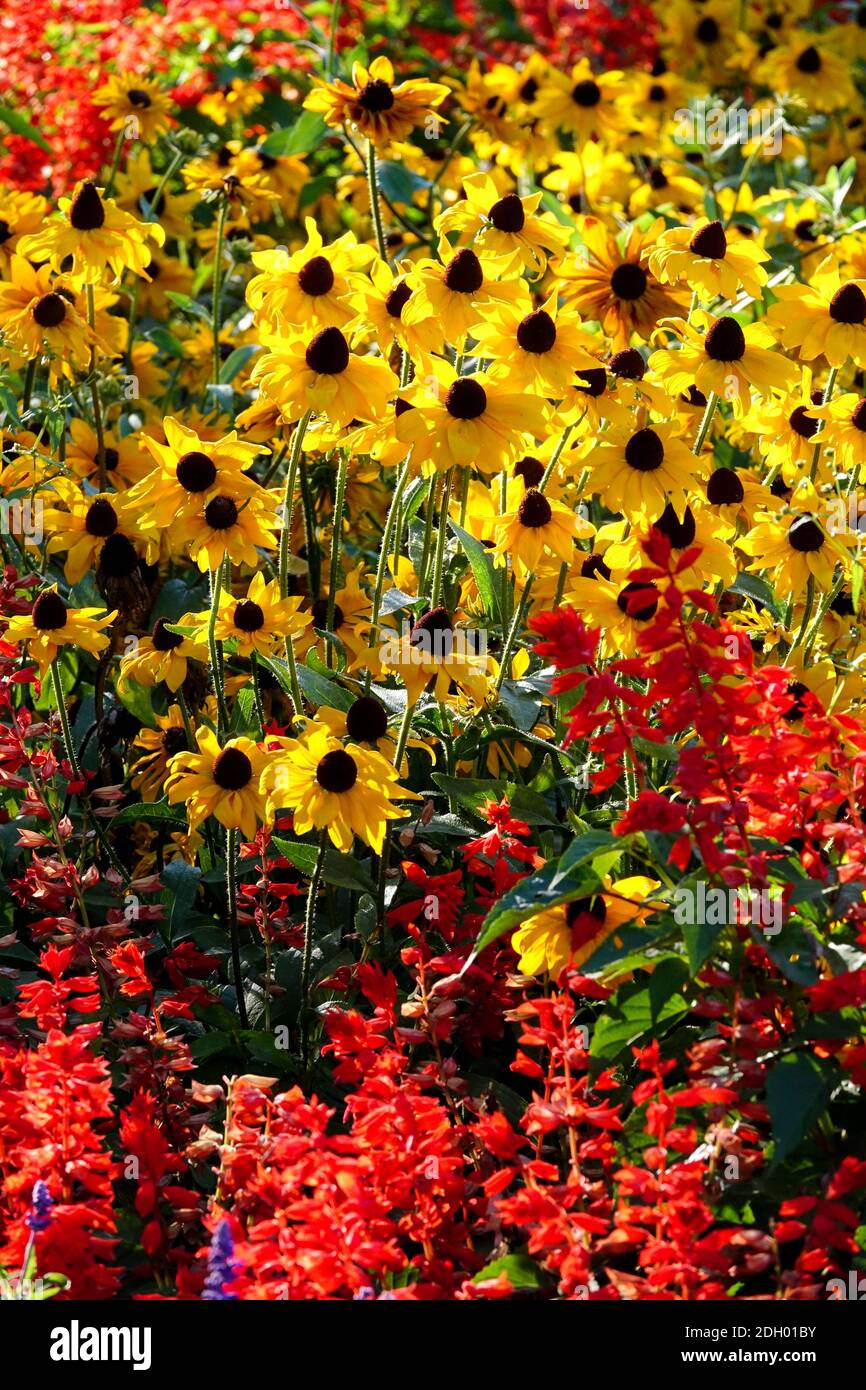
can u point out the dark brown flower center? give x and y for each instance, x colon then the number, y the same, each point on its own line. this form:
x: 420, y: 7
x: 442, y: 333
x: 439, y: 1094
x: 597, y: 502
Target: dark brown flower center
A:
x: 49, y: 612
x: 49, y: 311
x: 320, y: 614
x: 645, y: 451
x: 710, y: 242
x: 433, y: 631
x: 679, y: 533
x: 593, y: 565
x: 507, y: 214
x: 463, y: 273
x: 118, y: 558
x: 725, y: 341
x: 162, y: 639
x: 638, y: 600
x: 707, y: 31
x: 87, y: 213
x: 195, y: 471
x: 657, y: 92
x: 534, y: 509
x: 337, y: 771
x: 797, y: 692
x: 805, y: 229
x: 101, y: 518
x: 328, y: 353
x: 858, y: 415
x: 376, y: 96
x: 536, y: 332
x: 232, y: 770
x: 5, y: 231
x: 593, y: 382
x: 805, y: 535
x: 530, y: 469
x: 724, y: 488
x: 848, y: 305
x: 367, y: 720
x: 173, y: 741
x: 112, y: 459
x: 629, y: 280
x: 397, y: 299
x: 221, y: 514
x: 809, y: 60
x: 248, y: 616
x: 466, y: 399
x: 136, y: 97
x: 586, y: 93
x: 317, y: 276
x: 802, y: 424
x: 628, y: 363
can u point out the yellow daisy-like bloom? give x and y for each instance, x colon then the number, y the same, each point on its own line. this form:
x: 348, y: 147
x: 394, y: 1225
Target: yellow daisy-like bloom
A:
x: 585, y: 102
x: 221, y: 527
x: 309, y: 287
x: 728, y: 360
x: 436, y: 653
x: 786, y: 428
x: 843, y: 429
x: 125, y: 460
x: 701, y: 257
x: 163, y: 656
x: 366, y: 721
x: 666, y: 186
x: 256, y: 622
x: 598, y: 179
x: 468, y: 420
x: 506, y: 228
x: 234, y: 171
x: 219, y: 781
x: 540, y: 350
x: 52, y: 624
x: 321, y: 374
x: 126, y: 98
x: 346, y: 791
x: 694, y: 526
x: 97, y: 235
x: 614, y: 286
x: 374, y: 105
x: 191, y: 470
x: 381, y: 313
x: 457, y: 291
x: 537, y: 527
x: 34, y: 315
x: 622, y: 611
x: 156, y: 748
x: 84, y: 526
x: 235, y: 98
x: 812, y: 66
x: 824, y: 318
x: 639, y: 471
x: 794, y: 548
x: 20, y: 214
x: 566, y: 936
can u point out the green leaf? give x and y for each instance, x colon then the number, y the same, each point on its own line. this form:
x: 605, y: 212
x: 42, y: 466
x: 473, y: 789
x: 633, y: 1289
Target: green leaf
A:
x: 521, y: 1272
x: 798, y: 1090
x: 19, y: 126
x: 303, y: 136
x: 639, y: 1011
x: 341, y: 870
x: 154, y: 812
x: 481, y: 564
x: 699, y: 939
x: 138, y: 700
x: 180, y: 881
x: 398, y: 183
x: 321, y: 691
x: 236, y: 361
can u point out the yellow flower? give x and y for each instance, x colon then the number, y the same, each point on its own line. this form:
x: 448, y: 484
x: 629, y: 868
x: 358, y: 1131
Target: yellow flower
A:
x: 52, y: 624
x: 540, y: 350
x: 257, y: 621
x: 456, y: 292
x: 640, y: 471
x: 35, y: 315
x: 613, y: 285
x: 346, y: 791
x: 321, y: 374
x: 569, y: 934
x: 824, y: 318
x: 85, y: 527
x: 156, y: 748
x: 468, y: 420
x: 811, y: 66
x: 701, y: 257
x: 374, y: 105
x: 190, y: 471
x: 163, y: 655
x: 538, y: 526
x: 97, y: 235
x: 219, y: 781
x: 583, y: 101
x: 135, y: 105
x: 794, y: 547
x: 308, y: 287
x: 728, y: 360
x: 506, y: 228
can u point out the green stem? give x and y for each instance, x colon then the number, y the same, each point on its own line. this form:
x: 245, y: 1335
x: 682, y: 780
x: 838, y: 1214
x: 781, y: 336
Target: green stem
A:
x: 707, y: 420
x: 257, y: 694
x: 29, y: 378
x: 384, y: 552
x: 115, y: 163
x: 232, y: 898
x: 94, y: 393
x: 309, y: 925
x: 441, y: 537
x: 217, y: 286
x: 336, y: 538
x: 215, y: 653
x: 72, y: 758
x: 375, y: 207
x: 516, y: 621
x: 289, y: 501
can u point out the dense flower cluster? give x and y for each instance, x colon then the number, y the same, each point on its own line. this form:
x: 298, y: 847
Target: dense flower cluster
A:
x: 432, y: 723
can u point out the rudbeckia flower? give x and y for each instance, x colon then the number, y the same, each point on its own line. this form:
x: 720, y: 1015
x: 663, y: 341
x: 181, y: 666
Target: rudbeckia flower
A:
x: 309, y: 287
x: 256, y: 622
x: 825, y: 318
x: 219, y: 781
x: 686, y: 528
x: 222, y: 527
x: 622, y: 610
x: 439, y: 654
x: 35, y: 315
x: 163, y: 655
x: 728, y: 360
x: 585, y: 102
x: 843, y: 429
x: 52, y: 624
x: 811, y: 66
x: 506, y: 228
x: 20, y: 213
x: 640, y: 471
x: 381, y: 312
x: 457, y: 291
x: 701, y: 258
x: 540, y: 350
x: 155, y: 749
x: 124, y: 459
x: 84, y: 526
x: 374, y: 105
x: 468, y: 420
x: 346, y: 791
x: 125, y: 97
x: 788, y: 431
x: 794, y: 547
x: 191, y: 470
x: 598, y: 180
x: 538, y: 526
x: 614, y: 286
x: 320, y: 373
x: 566, y: 936
x: 97, y: 236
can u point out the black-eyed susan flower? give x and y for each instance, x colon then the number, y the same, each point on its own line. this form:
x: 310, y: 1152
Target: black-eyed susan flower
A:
x: 667, y: 185
x: 232, y: 99
x: 787, y: 431
x: 367, y: 721
x: 258, y: 620
x: 457, y: 291
x: 126, y: 98
x: 691, y: 527
x: 614, y: 285
x: 566, y: 936
x: 374, y: 105
x: 95, y: 235
x: 51, y: 624
x: 584, y: 102
x: 811, y: 66
x: 468, y: 420
x: 221, y: 781
x: 598, y: 180
x: 153, y: 750
x: 82, y: 525
x: 321, y: 373
x: 221, y: 526
x: 438, y: 653
x: 640, y: 471
x: 826, y: 318
x: 344, y: 790
x: 539, y: 350
x: 163, y: 655
x: 124, y: 460
x: 622, y: 610
x: 843, y: 429
x: 191, y: 470
x: 701, y: 257
x: 506, y: 228
x: 380, y: 310
x: 728, y: 360
x: 538, y: 526
x: 795, y: 546
x: 233, y: 172
x: 20, y: 214
x: 307, y: 288
x: 35, y: 317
